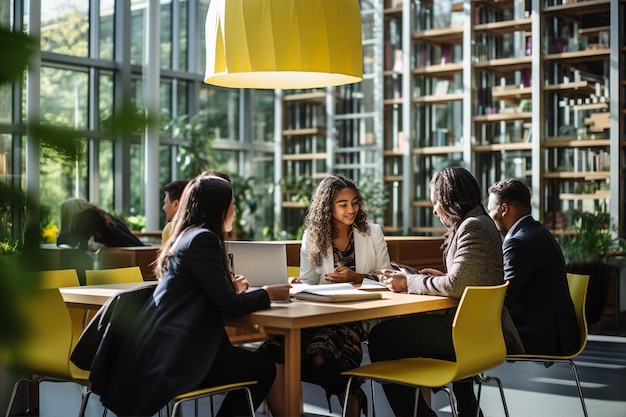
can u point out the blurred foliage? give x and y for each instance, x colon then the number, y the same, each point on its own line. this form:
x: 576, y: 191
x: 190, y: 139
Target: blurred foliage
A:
x: 56, y: 143
x: 195, y: 154
x: 592, y: 241
x: 298, y: 190
x: 246, y: 203
x: 375, y: 197
x: 17, y: 48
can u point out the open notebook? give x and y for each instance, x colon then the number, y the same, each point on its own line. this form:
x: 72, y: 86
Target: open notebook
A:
x: 334, y: 293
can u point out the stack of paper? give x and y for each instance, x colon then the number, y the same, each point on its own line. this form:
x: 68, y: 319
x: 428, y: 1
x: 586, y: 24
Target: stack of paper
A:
x: 334, y: 293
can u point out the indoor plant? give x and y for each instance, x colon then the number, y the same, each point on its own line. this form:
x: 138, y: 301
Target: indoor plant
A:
x: 592, y: 249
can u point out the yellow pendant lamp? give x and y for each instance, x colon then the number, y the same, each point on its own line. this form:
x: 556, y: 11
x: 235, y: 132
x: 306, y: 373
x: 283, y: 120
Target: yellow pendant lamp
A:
x: 284, y: 44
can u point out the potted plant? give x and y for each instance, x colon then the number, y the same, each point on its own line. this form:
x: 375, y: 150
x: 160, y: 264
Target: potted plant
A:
x: 592, y: 249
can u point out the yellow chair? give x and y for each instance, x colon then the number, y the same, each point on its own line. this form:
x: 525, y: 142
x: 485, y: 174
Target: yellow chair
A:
x: 478, y: 346
x: 57, y: 278
x: 43, y: 351
x: 578, y: 291
x: 293, y: 271
x: 113, y: 275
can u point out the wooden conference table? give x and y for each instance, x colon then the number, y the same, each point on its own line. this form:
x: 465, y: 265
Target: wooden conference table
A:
x: 288, y: 319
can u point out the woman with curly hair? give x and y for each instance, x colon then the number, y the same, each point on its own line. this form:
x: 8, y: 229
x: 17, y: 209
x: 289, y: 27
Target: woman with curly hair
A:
x: 338, y: 245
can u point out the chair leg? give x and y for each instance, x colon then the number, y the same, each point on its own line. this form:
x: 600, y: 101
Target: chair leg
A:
x: 451, y: 399
x: 482, y: 378
x: 373, y: 398
x: 16, y: 387
x: 346, y: 397
x: 83, y: 403
x: 580, y: 390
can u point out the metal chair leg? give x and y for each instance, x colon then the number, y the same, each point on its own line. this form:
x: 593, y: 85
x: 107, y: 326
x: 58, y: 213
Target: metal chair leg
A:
x: 452, y: 401
x: 578, y: 386
x: 482, y: 378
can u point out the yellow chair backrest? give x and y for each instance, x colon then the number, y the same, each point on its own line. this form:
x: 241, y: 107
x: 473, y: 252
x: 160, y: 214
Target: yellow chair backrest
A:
x: 113, y: 276
x: 477, y: 330
x: 57, y: 278
x: 578, y: 290
x: 293, y: 271
x: 46, y: 342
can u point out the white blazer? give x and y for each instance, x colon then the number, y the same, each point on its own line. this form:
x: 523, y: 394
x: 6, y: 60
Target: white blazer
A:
x: 370, y: 251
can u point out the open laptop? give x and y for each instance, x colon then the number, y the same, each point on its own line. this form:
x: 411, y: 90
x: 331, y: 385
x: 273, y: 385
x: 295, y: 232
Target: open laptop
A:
x: 262, y: 263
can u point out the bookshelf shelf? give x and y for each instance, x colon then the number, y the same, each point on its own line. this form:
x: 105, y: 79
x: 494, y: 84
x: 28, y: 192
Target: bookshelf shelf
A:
x: 312, y: 131
x: 438, y: 99
x: 586, y: 175
x: 305, y: 157
x: 511, y: 93
x: 579, y: 8
x: 445, y: 36
x: 496, y: 147
x: 505, y: 65
x: 507, y: 26
x: 575, y: 57
x: 443, y: 71
x: 598, y: 195
x: 312, y: 96
x: 503, y: 117
x: 557, y: 142
x: 436, y: 150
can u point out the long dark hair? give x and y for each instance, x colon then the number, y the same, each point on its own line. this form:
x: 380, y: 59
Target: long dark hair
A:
x: 457, y: 192
x: 204, y: 203
x: 319, y: 219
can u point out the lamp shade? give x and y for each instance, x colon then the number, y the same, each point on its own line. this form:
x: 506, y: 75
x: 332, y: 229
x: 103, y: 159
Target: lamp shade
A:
x: 283, y: 44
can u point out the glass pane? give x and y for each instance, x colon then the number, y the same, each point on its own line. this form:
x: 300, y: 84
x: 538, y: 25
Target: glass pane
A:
x: 105, y: 174
x: 107, y: 20
x: 165, y: 102
x: 5, y: 157
x: 203, y: 7
x: 65, y: 27
x: 183, y: 36
x: 263, y: 103
x: 64, y: 96
x: 182, y: 97
x: 105, y: 99
x: 60, y: 180
x: 6, y: 104
x: 137, y: 32
x: 137, y: 195
x: 166, y: 34
x: 222, y: 108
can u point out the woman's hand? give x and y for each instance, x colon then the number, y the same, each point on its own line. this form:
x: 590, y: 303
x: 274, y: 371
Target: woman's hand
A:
x: 431, y: 271
x: 395, y: 280
x: 343, y: 274
x: 241, y: 284
x: 278, y: 292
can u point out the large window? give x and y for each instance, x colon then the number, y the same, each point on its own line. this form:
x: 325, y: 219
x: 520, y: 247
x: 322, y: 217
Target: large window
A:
x: 90, y: 72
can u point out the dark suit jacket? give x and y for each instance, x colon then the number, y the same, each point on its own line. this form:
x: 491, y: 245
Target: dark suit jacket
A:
x: 538, y: 296
x: 170, y: 345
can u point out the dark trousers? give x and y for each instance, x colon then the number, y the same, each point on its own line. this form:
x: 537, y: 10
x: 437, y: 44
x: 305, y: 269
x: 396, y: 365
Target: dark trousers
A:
x: 421, y: 335
x: 234, y: 364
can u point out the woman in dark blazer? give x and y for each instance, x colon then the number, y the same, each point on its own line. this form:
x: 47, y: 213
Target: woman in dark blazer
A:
x: 180, y: 343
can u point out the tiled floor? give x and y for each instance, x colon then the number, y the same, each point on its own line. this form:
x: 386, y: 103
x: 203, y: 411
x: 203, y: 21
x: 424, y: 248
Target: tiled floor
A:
x: 531, y: 390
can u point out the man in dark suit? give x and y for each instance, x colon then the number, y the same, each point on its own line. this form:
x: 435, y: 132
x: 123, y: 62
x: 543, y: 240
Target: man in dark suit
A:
x: 538, y: 296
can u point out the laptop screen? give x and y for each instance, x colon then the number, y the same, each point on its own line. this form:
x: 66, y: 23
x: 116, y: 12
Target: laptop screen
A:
x: 262, y: 263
